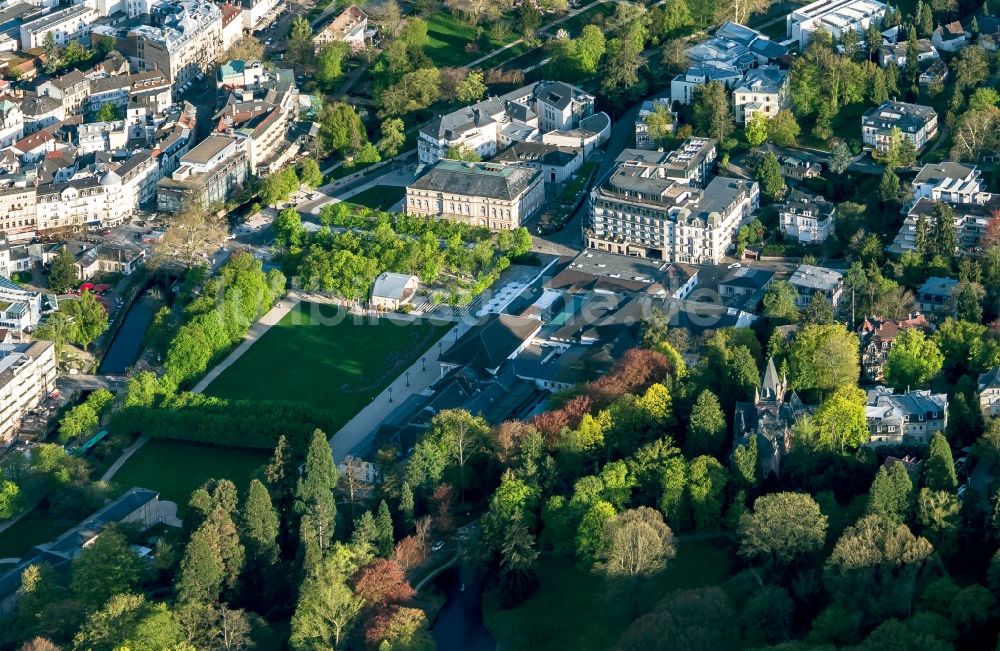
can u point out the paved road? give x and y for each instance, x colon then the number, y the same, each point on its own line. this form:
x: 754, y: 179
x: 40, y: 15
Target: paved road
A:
x: 569, y: 238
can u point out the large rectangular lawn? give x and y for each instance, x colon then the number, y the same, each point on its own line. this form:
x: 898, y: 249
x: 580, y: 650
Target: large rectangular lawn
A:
x: 176, y: 468
x: 338, y: 366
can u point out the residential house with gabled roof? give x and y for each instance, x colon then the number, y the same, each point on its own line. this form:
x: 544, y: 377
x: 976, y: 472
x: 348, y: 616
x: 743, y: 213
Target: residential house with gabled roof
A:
x: 763, y: 90
x: 806, y: 217
x: 71, y: 89
x: 950, y: 37
x: 913, y: 416
x: 896, y: 53
x: 809, y: 280
x: 988, y: 390
x: 934, y: 293
x: 348, y: 27
x: 878, y: 337
x: 34, y: 147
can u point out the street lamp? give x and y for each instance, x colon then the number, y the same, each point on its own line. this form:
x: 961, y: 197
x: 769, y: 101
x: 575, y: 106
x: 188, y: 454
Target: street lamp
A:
x: 440, y: 344
x: 407, y: 378
x: 390, y: 394
x: 423, y: 363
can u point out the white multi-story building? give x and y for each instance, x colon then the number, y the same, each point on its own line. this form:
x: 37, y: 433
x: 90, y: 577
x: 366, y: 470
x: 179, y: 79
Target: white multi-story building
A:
x: 835, y: 17
x: 916, y: 123
x: 254, y: 11
x: 11, y: 123
x: 27, y: 376
x: 809, y: 280
x: 20, y: 308
x: 763, y: 90
x: 896, y: 53
x: 69, y: 24
x: 207, y: 174
x: 496, y: 196
x: 232, y: 24
x: 950, y: 182
x: 101, y: 136
x: 960, y: 187
x: 648, y: 209
x: 17, y: 209
x: 683, y: 85
x: 260, y: 120
x: 103, y: 196
x: 522, y: 115
x: 806, y: 218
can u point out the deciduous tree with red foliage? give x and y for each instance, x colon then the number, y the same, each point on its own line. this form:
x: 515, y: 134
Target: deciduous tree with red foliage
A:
x: 633, y: 373
x: 410, y: 552
x: 992, y: 235
x: 383, y: 582
x: 506, y: 439
x: 443, y: 500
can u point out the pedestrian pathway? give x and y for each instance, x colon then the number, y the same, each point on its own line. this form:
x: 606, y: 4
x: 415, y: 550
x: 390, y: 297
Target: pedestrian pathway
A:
x: 543, y: 30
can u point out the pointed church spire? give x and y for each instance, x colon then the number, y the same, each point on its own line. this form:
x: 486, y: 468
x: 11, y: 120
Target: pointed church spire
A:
x: 770, y: 386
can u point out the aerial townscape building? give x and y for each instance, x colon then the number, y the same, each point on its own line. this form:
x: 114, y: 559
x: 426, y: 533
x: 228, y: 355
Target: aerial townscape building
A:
x: 810, y: 280
x: 806, y: 217
x: 653, y: 205
x: 523, y: 115
x: 835, y: 17
x: 912, y: 416
x: 916, y: 123
x: 493, y: 195
x: 878, y: 337
x: 398, y: 255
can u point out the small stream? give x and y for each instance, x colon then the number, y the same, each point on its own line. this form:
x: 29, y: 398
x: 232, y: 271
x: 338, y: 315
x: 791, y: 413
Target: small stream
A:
x: 459, y: 625
x: 127, y: 344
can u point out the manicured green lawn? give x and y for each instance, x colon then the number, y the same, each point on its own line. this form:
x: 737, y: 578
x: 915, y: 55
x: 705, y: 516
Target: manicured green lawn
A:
x: 448, y: 37
x: 176, y: 468
x: 321, y: 356
x: 35, y: 528
x: 380, y: 197
x: 570, y: 609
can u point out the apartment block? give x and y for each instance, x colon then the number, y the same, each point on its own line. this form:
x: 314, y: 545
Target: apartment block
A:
x: 208, y: 174
x: 27, y: 376
x: 66, y: 25
x: 917, y: 123
x: 836, y: 17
